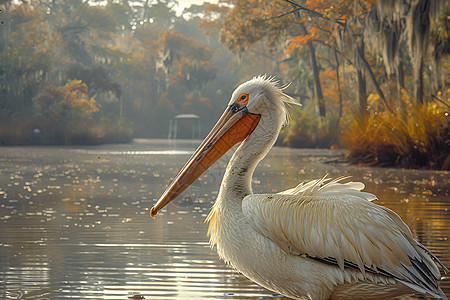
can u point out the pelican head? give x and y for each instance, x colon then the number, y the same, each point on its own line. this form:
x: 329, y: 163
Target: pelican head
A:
x: 263, y: 94
x: 257, y: 101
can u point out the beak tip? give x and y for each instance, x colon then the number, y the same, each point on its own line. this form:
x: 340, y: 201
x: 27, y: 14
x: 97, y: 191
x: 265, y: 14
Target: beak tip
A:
x: 152, y: 212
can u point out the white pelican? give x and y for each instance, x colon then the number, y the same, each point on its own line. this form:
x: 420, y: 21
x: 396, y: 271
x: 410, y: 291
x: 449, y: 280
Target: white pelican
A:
x: 319, y: 240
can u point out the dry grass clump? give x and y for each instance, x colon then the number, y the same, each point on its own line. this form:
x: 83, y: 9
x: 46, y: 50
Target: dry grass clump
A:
x: 412, y: 136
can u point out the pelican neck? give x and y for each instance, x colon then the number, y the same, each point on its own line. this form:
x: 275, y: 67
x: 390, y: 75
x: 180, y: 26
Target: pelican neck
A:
x: 237, y: 180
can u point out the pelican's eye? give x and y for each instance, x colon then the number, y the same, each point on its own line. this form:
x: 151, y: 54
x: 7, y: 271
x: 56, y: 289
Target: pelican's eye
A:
x: 242, y: 99
x: 240, y: 103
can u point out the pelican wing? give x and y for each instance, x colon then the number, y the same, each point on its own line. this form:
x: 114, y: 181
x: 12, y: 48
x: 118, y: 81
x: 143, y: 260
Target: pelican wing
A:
x: 335, y: 224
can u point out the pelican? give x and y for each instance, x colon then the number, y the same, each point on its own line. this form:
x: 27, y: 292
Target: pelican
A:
x: 320, y: 240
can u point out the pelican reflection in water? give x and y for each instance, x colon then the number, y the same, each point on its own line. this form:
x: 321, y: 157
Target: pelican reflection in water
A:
x: 320, y: 240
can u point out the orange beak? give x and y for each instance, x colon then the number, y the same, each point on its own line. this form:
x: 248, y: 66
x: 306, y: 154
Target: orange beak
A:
x: 233, y: 127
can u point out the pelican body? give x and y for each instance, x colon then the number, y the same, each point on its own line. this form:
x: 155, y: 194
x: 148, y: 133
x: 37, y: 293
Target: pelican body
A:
x: 320, y: 240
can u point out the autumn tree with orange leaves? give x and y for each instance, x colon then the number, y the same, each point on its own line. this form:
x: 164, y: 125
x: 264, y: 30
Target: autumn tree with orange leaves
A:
x: 286, y: 26
x: 350, y: 50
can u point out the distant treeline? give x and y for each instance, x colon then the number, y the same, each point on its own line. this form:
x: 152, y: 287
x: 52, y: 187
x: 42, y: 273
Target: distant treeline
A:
x: 88, y: 72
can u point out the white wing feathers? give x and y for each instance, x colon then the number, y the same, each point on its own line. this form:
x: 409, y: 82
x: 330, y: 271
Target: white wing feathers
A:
x: 319, y: 186
x: 337, y: 224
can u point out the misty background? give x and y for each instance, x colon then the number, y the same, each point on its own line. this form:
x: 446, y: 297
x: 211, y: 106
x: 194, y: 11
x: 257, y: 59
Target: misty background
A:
x: 372, y: 76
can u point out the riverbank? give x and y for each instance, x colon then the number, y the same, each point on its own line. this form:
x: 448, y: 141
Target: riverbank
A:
x: 35, y: 131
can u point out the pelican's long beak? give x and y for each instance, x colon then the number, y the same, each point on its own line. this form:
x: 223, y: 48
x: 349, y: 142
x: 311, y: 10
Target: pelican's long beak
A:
x: 233, y: 127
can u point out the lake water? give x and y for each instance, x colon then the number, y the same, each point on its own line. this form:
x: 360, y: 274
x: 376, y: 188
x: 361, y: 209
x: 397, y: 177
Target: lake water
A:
x: 74, y: 221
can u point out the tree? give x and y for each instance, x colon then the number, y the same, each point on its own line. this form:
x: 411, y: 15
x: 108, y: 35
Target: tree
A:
x: 363, y: 38
x: 25, y: 58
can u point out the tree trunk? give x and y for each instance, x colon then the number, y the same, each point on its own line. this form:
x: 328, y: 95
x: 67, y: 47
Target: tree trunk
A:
x: 120, y: 107
x: 317, y: 86
x: 418, y: 83
x: 339, y: 87
x: 360, y: 53
x: 5, y: 28
x: 418, y: 25
x: 400, y: 75
x: 400, y: 84
x: 362, y: 96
